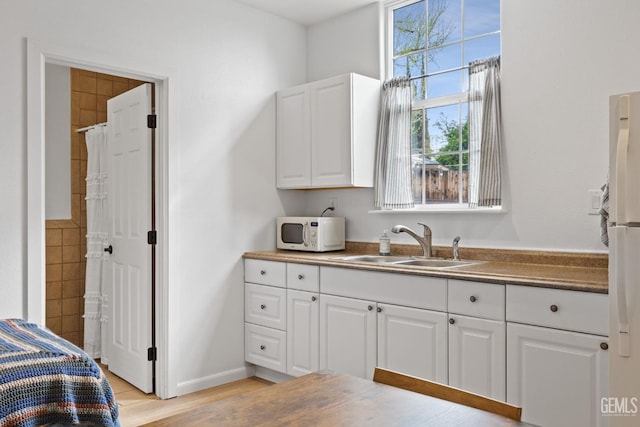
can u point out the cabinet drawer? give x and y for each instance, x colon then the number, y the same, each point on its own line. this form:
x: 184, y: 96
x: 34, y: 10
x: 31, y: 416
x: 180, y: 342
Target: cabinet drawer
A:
x: 303, y: 277
x: 265, y: 347
x: 557, y: 308
x: 476, y: 299
x: 271, y: 273
x: 265, y: 305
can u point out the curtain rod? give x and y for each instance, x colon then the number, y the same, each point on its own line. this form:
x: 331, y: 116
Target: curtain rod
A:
x: 90, y: 127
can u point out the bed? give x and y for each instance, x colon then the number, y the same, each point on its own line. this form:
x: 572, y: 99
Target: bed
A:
x: 46, y: 380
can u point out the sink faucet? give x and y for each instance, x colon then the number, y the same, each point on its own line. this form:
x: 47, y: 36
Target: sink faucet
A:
x: 456, y: 253
x: 425, y: 242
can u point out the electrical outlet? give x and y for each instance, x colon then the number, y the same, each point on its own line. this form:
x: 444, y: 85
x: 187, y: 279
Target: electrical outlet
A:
x: 333, y: 202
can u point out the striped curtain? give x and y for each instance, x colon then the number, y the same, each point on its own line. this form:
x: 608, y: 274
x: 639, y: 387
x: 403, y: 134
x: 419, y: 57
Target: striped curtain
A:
x: 392, y: 179
x: 94, y: 301
x: 485, y: 133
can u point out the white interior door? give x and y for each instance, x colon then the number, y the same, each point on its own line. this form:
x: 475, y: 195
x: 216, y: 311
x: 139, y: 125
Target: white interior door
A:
x: 130, y: 210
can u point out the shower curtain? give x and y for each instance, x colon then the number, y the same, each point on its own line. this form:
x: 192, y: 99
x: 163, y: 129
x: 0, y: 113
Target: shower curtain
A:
x: 95, y: 316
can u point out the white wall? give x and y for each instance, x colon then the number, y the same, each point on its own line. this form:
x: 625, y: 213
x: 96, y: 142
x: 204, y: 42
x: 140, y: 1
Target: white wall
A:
x: 560, y: 62
x: 229, y: 60
x: 57, y: 142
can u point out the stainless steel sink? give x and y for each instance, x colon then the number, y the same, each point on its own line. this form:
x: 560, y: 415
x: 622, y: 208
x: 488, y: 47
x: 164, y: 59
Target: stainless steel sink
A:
x: 408, y: 261
x: 375, y: 259
x: 437, y: 263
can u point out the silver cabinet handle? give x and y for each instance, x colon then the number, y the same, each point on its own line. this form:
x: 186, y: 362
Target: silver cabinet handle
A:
x: 604, y: 346
x: 300, y: 276
x: 262, y: 347
x: 370, y: 308
x: 379, y: 309
x: 262, y: 306
x: 473, y: 298
x: 553, y: 308
x: 263, y: 272
x: 313, y: 298
x: 452, y: 321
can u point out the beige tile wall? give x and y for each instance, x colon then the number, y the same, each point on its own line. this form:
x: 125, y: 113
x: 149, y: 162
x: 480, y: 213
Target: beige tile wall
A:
x: 66, y: 243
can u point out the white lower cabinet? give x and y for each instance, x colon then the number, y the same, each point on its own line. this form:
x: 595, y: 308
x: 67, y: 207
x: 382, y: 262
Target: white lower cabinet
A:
x: 358, y: 335
x: 477, y: 338
x: 348, y: 335
x: 542, y: 349
x: 413, y: 341
x: 557, y: 361
x: 303, y: 317
x: 558, y: 377
x: 477, y: 355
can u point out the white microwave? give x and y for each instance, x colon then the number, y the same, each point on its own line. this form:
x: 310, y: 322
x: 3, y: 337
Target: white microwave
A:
x: 311, y: 234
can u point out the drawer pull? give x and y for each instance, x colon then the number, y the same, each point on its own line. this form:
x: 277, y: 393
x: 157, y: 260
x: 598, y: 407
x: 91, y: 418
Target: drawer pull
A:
x: 379, y: 309
x: 604, y: 346
x: 300, y: 276
x: 263, y: 272
x: 452, y: 321
x: 370, y: 308
x: 313, y: 298
x: 473, y: 298
x: 262, y: 306
x: 553, y: 308
x: 262, y: 347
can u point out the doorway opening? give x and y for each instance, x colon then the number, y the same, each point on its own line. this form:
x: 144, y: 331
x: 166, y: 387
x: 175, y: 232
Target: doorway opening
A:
x: 65, y: 238
x: 38, y: 55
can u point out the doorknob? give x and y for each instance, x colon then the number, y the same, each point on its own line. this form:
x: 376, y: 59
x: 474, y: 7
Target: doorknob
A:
x: 109, y: 249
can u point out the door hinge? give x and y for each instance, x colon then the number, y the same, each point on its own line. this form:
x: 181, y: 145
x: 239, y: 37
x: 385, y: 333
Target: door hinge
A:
x: 152, y: 121
x: 152, y: 354
x: 152, y: 237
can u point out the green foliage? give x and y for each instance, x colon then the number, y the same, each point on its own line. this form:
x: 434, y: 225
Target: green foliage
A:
x: 452, y: 131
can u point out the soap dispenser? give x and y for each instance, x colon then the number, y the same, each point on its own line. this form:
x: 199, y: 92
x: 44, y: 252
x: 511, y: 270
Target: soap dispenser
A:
x: 385, y: 244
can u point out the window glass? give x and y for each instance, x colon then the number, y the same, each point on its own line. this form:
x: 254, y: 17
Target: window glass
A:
x: 445, y: 21
x: 408, y: 28
x: 482, y: 47
x: 446, y: 83
x: 433, y: 42
x: 481, y: 17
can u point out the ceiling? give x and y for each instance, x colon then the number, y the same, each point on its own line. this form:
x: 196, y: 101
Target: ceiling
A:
x: 307, y: 12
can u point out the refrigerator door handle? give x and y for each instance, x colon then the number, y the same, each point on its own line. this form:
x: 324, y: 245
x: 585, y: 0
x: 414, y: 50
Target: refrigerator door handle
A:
x: 620, y: 273
x: 619, y: 281
x: 622, y: 151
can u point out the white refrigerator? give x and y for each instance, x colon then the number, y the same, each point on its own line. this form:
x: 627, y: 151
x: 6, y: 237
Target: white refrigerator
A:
x: 623, y: 403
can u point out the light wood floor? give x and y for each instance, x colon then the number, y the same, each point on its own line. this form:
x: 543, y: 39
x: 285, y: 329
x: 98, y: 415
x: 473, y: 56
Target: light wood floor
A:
x: 137, y: 408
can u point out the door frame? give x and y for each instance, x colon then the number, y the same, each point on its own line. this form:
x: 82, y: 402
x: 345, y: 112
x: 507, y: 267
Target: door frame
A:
x: 38, y: 54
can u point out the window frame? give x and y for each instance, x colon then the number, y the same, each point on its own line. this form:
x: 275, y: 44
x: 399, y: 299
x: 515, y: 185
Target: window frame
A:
x: 453, y: 99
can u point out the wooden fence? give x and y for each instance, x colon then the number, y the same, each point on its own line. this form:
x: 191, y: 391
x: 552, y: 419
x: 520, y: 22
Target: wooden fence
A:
x: 441, y: 184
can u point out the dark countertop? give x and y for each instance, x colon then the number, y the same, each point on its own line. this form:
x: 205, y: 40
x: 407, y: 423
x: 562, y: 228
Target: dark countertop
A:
x: 576, y: 277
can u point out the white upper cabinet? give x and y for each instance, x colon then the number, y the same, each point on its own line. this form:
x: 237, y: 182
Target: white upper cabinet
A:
x: 293, y: 147
x: 326, y: 133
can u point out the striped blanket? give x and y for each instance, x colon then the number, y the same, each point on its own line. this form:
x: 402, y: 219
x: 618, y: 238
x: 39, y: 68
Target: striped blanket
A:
x: 45, y: 379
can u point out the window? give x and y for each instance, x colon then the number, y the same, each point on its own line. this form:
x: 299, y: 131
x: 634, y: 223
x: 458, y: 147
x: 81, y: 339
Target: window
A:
x: 432, y: 42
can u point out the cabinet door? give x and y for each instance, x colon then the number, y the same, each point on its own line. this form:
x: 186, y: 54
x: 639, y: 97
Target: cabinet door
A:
x: 293, y: 141
x: 558, y: 377
x: 347, y: 336
x: 413, y: 341
x: 303, y: 317
x: 477, y: 355
x: 331, y: 132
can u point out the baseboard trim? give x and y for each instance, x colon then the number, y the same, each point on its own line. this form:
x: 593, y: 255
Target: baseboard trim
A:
x: 271, y: 375
x: 213, y: 380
